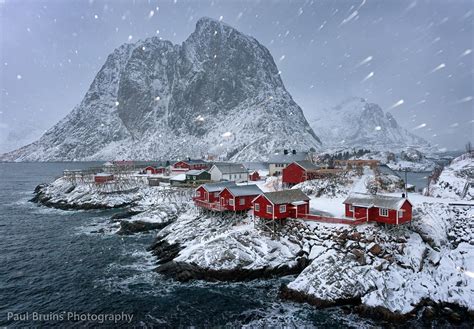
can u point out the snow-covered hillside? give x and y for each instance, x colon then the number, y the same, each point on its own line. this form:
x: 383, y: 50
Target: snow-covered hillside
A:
x: 456, y: 181
x: 219, y: 92
x: 359, y: 124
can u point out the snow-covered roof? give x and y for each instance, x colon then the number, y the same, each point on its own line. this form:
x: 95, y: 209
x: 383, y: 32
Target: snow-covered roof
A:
x: 245, y: 190
x: 180, y: 177
x: 379, y: 201
x: 217, y: 187
x: 108, y: 164
x: 230, y: 168
x: 286, y: 196
x: 288, y: 158
x: 194, y: 172
x: 103, y: 174
x: 307, y: 165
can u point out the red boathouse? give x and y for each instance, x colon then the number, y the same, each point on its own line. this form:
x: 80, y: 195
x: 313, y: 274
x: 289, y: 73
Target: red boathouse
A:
x: 299, y: 171
x: 150, y: 170
x: 103, y: 178
x: 281, y: 204
x: 239, y: 198
x: 254, y: 176
x: 207, y: 195
x: 379, y: 208
x: 191, y: 165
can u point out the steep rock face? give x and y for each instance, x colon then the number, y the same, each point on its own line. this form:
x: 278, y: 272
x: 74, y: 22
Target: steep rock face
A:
x: 357, y: 123
x: 219, y: 92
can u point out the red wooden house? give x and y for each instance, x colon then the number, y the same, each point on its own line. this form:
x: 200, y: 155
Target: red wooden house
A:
x: 239, y: 198
x: 150, y: 170
x: 189, y: 164
x: 281, y: 204
x: 207, y: 195
x: 103, y: 177
x: 299, y: 171
x: 254, y: 176
x: 379, y: 208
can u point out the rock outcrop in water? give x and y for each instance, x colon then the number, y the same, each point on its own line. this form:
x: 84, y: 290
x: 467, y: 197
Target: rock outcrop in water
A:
x: 219, y: 92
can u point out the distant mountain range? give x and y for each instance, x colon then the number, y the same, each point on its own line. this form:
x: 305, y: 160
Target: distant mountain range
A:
x: 355, y: 123
x: 218, y: 93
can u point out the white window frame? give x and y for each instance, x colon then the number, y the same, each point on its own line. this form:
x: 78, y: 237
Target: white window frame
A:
x: 257, y: 207
x: 400, y: 213
x: 351, y: 208
x: 231, y: 202
x: 383, y: 212
x: 269, y: 209
x: 283, y: 208
x: 216, y: 194
x: 241, y: 201
x: 198, y: 193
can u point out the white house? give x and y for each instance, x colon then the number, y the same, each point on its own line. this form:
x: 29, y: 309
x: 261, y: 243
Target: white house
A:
x: 228, y: 172
x: 278, y: 162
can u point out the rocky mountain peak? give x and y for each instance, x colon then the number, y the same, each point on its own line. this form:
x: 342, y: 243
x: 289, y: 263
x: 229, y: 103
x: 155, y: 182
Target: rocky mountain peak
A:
x: 218, y: 93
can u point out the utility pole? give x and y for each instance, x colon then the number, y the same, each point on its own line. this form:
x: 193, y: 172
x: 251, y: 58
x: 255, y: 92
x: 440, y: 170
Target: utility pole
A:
x: 406, y: 191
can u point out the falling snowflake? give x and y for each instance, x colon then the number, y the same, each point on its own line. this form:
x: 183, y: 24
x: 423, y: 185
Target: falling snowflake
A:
x: 423, y: 125
x: 157, y: 98
x: 370, y: 75
x: 365, y: 61
x: 19, y: 77
x: 464, y: 100
x: 282, y: 58
x: 439, y: 67
x: 151, y: 13
x: 378, y: 128
x: 227, y: 134
x: 96, y: 16
x: 221, y: 18
x: 117, y: 103
x: 130, y: 37
x: 397, y: 104
x: 466, y: 52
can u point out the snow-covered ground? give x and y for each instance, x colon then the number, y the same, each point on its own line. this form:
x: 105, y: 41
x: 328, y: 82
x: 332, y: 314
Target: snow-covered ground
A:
x: 394, y: 268
x: 456, y: 181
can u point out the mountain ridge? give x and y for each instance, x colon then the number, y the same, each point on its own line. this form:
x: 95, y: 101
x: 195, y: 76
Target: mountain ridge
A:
x: 217, y: 93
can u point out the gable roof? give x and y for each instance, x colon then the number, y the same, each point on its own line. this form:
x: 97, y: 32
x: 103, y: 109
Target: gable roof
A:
x: 230, y: 168
x: 286, y: 196
x: 179, y: 178
x: 217, y: 187
x: 307, y: 165
x: 288, y: 158
x: 242, y: 190
x: 379, y: 201
x: 195, y: 172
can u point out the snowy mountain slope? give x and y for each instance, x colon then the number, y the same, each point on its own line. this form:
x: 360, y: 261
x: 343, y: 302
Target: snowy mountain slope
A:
x: 456, y: 181
x: 219, y: 92
x: 357, y: 123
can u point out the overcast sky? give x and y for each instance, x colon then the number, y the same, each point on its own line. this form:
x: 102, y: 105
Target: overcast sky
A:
x: 413, y: 58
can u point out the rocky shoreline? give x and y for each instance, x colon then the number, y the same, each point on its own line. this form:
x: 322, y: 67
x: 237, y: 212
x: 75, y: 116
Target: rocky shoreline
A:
x: 367, y: 270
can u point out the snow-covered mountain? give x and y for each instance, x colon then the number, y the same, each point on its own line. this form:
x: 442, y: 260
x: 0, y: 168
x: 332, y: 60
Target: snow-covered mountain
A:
x: 219, y: 92
x: 357, y: 123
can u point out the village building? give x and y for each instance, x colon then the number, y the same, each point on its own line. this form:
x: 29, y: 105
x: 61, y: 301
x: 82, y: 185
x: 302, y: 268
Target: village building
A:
x: 185, y: 165
x: 254, y: 176
x: 239, y: 198
x: 299, y: 171
x: 103, y: 178
x: 226, y: 171
x: 207, y: 195
x: 150, y: 170
x: 379, y: 208
x: 178, y: 180
x: 281, y: 204
x: 357, y: 163
x: 197, y: 176
x: 278, y: 162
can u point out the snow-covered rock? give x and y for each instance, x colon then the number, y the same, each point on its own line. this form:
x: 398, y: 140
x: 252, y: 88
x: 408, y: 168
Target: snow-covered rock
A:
x: 355, y: 123
x: 456, y: 181
x: 218, y: 93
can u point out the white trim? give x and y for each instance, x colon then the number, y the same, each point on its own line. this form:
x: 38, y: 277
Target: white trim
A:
x: 266, y: 209
x: 256, y: 207
x: 282, y: 205
x: 381, y: 212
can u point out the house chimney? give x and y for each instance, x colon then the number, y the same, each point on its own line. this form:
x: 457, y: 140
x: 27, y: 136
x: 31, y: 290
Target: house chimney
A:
x: 403, y: 195
x: 294, y: 152
x: 285, y: 151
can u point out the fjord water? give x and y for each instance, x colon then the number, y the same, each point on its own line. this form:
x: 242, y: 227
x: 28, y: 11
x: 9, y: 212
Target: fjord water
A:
x: 71, y: 261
